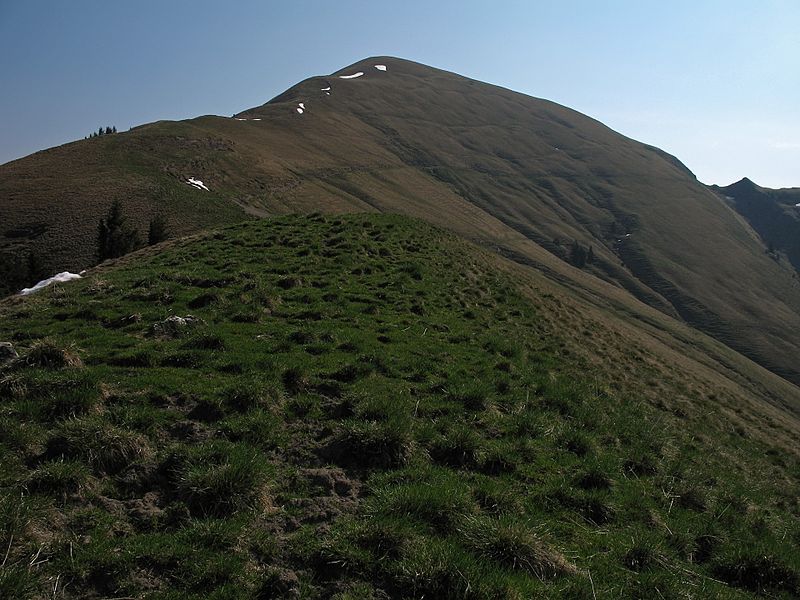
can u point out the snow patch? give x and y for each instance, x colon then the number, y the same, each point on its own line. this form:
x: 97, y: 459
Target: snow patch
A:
x: 353, y: 76
x: 380, y: 67
x: 327, y: 89
x: 60, y: 278
x: 197, y: 184
x: 797, y: 205
x: 299, y: 111
x: 302, y: 105
x: 238, y: 119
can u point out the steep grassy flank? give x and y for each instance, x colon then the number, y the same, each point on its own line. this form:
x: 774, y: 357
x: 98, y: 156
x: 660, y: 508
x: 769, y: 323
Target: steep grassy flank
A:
x: 524, y: 176
x: 367, y: 407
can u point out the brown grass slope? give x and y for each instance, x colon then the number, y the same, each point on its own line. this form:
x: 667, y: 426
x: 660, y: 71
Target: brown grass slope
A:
x: 524, y: 176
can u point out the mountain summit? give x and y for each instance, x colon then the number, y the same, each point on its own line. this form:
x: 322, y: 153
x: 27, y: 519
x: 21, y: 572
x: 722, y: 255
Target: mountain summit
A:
x: 535, y: 181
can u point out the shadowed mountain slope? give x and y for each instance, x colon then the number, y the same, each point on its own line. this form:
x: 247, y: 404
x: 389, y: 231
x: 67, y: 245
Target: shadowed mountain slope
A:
x: 529, y: 178
x: 365, y: 406
x: 774, y: 214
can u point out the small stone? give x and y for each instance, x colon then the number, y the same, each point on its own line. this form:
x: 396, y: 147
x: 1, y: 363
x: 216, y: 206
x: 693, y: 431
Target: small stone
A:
x: 173, y: 325
x: 7, y: 352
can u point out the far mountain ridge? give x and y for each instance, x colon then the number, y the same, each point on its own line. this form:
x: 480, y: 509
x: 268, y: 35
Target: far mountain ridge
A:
x: 773, y: 213
x: 533, y: 180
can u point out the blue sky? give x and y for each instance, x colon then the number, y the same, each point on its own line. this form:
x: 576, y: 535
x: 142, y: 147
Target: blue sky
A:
x: 715, y: 82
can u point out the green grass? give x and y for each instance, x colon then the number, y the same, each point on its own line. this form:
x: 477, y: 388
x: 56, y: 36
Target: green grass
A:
x: 393, y: 418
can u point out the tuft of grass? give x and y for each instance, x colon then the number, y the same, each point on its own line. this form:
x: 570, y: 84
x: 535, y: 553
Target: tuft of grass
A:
x: 49, y: 354
x: 640, y: 557
x: 220, y: 479
x: 371, y: 444
x: 60, y: 477
x: 438, y: 498
x: 105, y: 447
x: 514, y: 544
x: 757, y: 571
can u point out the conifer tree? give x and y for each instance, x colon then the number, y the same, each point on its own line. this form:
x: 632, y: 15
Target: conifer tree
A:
x: 114, y: 236
x: 157, y: 231
x: 578, y: 255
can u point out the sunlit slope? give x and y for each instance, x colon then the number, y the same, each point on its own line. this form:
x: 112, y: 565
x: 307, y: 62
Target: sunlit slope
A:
x: 526, y: 177
x: 366, y: 407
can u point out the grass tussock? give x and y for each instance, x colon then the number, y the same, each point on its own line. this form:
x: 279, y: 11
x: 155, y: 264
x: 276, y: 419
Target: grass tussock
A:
x: 515, y: 545
x: 103, y: 446
x: 49, y: 354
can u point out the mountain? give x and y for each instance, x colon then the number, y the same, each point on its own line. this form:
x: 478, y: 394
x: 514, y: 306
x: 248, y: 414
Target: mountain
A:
x: 773, y: 214
x: 367, y: 406
x: 532, y: 180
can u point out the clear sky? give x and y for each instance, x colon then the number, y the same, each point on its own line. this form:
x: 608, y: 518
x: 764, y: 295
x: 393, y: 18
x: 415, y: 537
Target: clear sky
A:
x: 715, y: 82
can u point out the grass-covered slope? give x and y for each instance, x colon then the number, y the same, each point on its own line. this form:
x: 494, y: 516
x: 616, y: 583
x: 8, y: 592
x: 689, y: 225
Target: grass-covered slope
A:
x: 368, y: 407
x: 527, y: 177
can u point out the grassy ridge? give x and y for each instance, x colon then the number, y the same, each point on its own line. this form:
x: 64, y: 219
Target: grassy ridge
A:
x: 360, y: 407
x: 524, y: 176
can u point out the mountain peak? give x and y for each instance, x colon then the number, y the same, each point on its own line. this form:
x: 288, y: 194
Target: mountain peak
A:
x: 745, y: 184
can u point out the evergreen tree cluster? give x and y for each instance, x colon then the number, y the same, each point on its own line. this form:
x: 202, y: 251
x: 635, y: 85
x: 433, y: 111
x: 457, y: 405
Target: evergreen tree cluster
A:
x: 102, y: 131
x: 580, y: 256
x: 116, y: 238
x: 20, y: 270
x: 157, y: 232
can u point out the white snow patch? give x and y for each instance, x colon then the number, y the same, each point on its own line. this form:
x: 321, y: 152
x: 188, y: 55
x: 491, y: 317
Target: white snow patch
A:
x: 299, y: 111
x: 238, y: 119
x: 380, y: 67
x: 327, y: 89
x: 302, y: 105
x: 60, y: 278
x: 197, y: 183
x: 729, y: 198
x: 353, y: 76
x: 797, y: 205
x: 255, y: 119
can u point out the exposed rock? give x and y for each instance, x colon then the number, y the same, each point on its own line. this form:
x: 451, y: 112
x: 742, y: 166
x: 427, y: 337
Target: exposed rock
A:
x: 174, y: 325
x: 7, y: 352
